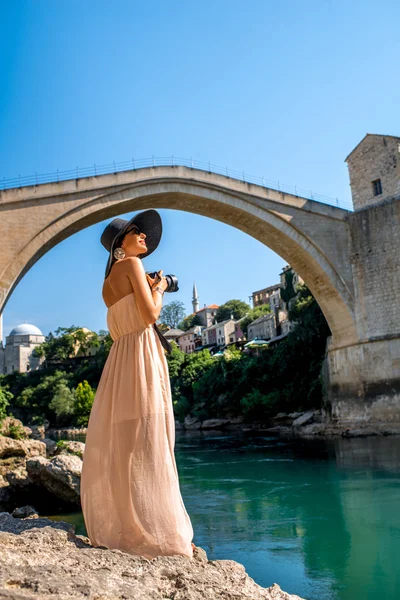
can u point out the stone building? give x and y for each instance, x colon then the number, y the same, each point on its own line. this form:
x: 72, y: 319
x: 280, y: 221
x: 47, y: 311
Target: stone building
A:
x: 239, y: 333
x: 173, y: 334
x: 374, y: 170
x: 264, y: 296
x: 207, y: 314
x: 263, y: 328
x: 16, y: 355
x: 190, y: 339
x: 219, y: 334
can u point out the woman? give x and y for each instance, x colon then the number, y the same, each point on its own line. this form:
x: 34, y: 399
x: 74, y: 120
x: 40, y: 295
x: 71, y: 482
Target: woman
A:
x: 130, y: 491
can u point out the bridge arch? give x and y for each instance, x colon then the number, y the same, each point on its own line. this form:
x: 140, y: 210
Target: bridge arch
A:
x: 288, y: 225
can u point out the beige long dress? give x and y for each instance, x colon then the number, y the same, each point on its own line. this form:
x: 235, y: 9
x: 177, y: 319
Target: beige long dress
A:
x: 130, y: 492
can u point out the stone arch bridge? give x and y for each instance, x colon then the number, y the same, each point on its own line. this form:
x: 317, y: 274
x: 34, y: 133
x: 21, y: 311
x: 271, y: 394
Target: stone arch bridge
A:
x: 329, y: 247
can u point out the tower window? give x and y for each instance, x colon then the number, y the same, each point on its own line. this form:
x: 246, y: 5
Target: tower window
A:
x: 377, y: 187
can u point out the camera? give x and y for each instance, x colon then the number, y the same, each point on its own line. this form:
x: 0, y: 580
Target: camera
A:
x: 172, y: 281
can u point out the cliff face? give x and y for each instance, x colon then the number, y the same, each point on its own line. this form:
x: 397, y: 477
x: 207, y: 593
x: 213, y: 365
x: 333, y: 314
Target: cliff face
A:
x: 40, y: 558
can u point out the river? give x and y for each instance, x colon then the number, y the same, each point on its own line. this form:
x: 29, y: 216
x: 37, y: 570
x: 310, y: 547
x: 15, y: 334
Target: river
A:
x: 320, y: 518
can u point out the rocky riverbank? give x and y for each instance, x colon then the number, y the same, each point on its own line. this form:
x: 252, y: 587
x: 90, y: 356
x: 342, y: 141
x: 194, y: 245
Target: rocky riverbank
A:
x: 306, y: 424
x: 39, y: 472
x: 41, y: 558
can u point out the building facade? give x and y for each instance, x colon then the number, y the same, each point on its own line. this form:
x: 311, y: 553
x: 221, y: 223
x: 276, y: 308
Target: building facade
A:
x: 262, y: 328
x: 16, y: 355
x: 263, y: 296
x: 219, y: 334
x: 374, y: 170
x: 190, y: 339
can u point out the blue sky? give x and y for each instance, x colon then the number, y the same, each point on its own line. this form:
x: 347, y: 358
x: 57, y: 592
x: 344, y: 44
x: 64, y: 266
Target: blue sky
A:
x: 282, y: 89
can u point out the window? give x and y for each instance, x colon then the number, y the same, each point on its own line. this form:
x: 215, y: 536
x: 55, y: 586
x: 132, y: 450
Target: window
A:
x: 377, y: 187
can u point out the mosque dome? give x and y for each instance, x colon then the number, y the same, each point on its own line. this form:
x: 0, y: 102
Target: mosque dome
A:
x: 26, y: 329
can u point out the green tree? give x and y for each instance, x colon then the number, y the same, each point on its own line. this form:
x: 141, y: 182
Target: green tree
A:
x: 35, y: 399
x: 5, y: 397
x: 84, y: 396
x: 56, y: 348
x: 63, y: 404
x: 189, y: 322
x: 287, y: 291
x: 172, y: 313
x: 65, y: 343
x: 236, y: 308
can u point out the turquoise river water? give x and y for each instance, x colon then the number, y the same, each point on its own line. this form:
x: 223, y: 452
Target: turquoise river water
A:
x: 320, y: 518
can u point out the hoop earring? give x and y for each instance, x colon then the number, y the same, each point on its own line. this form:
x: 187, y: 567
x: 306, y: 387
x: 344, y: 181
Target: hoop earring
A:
x: 119, y: 253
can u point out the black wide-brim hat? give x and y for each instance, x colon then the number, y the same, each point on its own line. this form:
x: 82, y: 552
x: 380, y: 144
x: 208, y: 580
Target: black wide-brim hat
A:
x: 148, y: 222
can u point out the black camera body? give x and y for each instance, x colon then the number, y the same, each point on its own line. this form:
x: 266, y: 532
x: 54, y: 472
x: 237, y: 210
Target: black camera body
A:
x: 172, y: 281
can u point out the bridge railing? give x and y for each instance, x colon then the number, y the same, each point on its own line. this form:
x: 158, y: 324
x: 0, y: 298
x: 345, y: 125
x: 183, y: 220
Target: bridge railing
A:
x: 170, y: 161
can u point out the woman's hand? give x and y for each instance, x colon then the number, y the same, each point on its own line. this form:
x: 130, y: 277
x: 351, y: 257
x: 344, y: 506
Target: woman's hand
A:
x: 158, y: 280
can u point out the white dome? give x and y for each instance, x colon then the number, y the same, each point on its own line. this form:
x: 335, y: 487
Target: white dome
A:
x: 26, y: 329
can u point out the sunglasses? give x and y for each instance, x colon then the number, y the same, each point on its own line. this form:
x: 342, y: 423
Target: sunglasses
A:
x: 133, y: 228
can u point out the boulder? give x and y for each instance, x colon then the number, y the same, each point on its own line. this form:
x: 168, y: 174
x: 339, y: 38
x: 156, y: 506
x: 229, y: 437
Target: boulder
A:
x: 192, y: 422
x: 236, y: 420
x: 214, y: 423
x: 8, y: 424
x: 60, y: 475
x: 44, y: 559
x: 38, y: 432
x: 25, y: 448
x: 51, y: 446
x: 280, y: 416
x: 307, y: 417
x: 18, y: 478
x: 70, y: 447
x: 353, y: 433
x: 25, y: 512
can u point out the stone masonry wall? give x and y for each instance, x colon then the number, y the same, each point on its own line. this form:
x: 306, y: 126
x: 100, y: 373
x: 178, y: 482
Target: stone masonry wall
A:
x: 375, y: 258
x: 376, y: 157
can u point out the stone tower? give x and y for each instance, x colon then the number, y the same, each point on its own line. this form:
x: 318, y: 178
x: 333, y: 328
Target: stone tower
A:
x: 195, y: 299
x: 374, y: 170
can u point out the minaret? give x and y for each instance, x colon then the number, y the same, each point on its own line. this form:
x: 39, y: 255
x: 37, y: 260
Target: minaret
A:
x: 195, y: 300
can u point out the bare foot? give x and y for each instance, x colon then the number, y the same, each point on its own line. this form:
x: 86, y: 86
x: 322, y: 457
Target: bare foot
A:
x: 193, y: 546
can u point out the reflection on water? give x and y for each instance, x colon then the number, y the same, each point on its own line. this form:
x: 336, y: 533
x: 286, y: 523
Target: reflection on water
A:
x: 321, y: 519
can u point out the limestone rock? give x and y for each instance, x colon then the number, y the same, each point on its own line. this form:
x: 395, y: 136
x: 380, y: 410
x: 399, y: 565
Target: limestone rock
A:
x: 284, y: 418
x: 11, y: 447
x: 282, y: 415
x: 352, y: 433
x: 38, y: 432
x: 8, y: 423
x: 61, y: 475
x: 307, y: 417
x: 51, y: 446
x: 43, y: 559
x: 192, y: 422
x: 214, y: 423
x: 71, y: 447
x: 18, y: 477
x: 25, y: 512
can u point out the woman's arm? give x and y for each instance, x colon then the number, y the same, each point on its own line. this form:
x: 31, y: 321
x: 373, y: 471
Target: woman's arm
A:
x: 149, y: 301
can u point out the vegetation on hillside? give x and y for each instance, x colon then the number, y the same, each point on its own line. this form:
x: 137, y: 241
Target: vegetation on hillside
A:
x: 285, y: 377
